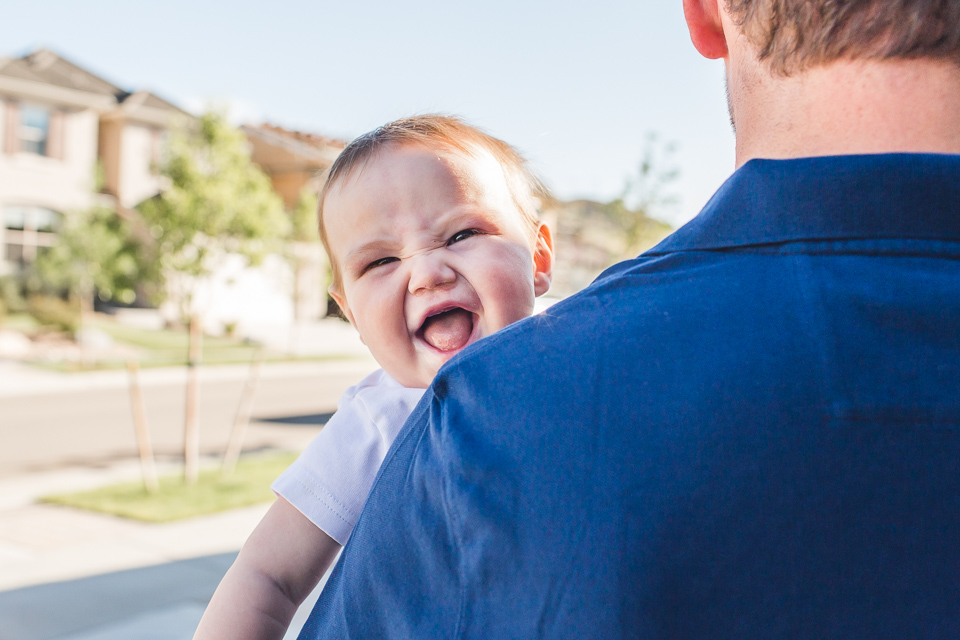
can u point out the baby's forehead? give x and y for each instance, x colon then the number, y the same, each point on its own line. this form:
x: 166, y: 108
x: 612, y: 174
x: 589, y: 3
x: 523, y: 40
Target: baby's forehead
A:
x: 466, y: 161
x: 471, y: 171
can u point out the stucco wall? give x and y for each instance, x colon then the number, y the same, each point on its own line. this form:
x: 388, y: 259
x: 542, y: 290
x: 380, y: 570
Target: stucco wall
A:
x: 62, y: 185
x: 137, y: 178
x: 238, y: 294
x: 3, y: 125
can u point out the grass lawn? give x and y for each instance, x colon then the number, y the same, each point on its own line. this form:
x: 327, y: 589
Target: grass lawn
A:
x: 19, y: 322
x: 249, y: 484
x: 165, y: 347
x: 154, y: 347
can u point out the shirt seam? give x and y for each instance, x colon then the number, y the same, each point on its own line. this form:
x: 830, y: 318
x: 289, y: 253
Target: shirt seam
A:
x: 324, y: 501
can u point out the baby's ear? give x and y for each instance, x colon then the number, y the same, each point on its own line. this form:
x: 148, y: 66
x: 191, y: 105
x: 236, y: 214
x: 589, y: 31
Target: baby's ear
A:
x: 341, y: 301
x: 542, y: 261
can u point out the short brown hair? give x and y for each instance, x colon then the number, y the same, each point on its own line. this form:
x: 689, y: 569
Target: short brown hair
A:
x: 794, y: 35
x: 436, y: 130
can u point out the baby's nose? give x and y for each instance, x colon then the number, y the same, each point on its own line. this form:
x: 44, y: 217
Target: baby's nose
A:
x: 429, y: 271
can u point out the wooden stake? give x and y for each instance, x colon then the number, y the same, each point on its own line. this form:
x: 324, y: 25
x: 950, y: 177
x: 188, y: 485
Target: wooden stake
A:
x: 191, y: 427
x: 242, y: 419
x: 147, y: 464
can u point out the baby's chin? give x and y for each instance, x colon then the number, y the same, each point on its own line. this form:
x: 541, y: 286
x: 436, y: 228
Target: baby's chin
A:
x: 423, y: 375
x: 429, y: 361
x: 420, y: 379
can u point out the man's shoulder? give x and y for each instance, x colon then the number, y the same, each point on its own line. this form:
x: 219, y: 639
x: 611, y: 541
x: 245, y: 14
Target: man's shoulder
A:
x: 642, y: 298
x: 642, y: 290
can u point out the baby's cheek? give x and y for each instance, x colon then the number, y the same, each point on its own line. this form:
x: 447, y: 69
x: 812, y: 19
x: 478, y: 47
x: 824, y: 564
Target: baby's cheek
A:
x: 516, y: 271
x: 377, y: 312
x: 515, y: 298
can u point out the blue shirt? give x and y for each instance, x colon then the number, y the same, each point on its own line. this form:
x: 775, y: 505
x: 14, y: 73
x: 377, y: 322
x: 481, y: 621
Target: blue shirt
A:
x: 751, y: 431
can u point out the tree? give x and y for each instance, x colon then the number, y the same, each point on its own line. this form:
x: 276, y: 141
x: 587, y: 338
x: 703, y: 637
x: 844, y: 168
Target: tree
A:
x: 99, y: 253
x: 217, y: 203
x: 590, y: 235
x: 646, y: 196
x: 303, y: 218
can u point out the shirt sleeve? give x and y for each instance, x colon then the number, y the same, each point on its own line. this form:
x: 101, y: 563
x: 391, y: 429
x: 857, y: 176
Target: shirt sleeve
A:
x: 330, y: 480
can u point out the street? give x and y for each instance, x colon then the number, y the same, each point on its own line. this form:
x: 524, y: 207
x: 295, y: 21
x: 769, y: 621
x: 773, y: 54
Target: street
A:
x: 94, y: 426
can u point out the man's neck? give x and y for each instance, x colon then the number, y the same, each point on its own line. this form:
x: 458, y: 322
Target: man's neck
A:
x: 847, y: 107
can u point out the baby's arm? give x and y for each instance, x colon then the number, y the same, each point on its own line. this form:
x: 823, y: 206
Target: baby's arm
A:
x: 279, y: 565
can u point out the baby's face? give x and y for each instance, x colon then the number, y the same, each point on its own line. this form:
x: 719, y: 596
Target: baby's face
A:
x: 434, y: 255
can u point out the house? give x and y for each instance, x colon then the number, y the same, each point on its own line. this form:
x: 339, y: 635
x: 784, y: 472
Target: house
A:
x: 68, y: 140
x: 294, y: 160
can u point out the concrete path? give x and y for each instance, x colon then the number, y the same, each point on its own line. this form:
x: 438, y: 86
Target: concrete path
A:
x: 67, y: 574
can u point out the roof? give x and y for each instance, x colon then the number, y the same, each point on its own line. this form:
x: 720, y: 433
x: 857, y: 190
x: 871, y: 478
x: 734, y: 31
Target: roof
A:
x: 147, y: 99
x: 47, y: 67
x: 311, y: 139
x: 278, y: 150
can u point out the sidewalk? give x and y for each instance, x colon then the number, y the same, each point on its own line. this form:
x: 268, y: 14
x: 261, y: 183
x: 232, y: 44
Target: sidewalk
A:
x: 67, y: 574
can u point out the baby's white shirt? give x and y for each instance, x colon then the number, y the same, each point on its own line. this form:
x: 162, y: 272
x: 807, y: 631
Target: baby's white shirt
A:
x: 329, y: 482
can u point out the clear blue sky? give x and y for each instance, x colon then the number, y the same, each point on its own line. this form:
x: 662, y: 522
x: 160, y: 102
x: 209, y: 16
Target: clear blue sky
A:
x: 576, y: 87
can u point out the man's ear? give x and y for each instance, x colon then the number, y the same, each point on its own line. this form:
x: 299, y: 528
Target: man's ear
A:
x: 706, y: 29
x: 342, y: 303
x: 542, y: 261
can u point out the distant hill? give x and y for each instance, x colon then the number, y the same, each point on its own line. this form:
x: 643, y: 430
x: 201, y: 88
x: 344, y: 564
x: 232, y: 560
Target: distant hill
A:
x: 590, y: 236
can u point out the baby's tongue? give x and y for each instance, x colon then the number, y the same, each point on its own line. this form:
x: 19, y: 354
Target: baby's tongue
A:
x: 449, y: 330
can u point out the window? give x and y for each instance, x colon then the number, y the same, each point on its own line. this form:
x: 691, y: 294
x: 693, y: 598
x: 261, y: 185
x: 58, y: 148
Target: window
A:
x: 34, y: 129
x: 27, y: 232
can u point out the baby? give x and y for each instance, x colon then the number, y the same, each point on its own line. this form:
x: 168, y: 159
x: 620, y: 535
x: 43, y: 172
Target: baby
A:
x: 435, y: 242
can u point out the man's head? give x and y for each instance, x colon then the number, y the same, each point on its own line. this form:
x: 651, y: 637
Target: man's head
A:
x: 432, y: 230
x: 791, y: 36
x: 835, y: 77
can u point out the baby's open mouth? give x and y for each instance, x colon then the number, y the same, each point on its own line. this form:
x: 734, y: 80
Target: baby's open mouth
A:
x: 448, y: 330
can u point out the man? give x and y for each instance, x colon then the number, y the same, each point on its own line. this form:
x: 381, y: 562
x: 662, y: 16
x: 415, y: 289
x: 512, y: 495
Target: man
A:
x: 753, y: 430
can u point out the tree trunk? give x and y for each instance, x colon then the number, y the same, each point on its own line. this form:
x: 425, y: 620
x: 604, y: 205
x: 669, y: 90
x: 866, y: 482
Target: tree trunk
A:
x: 297, y: 276
x: 148, y: 466
x: 191, y: 427
x: 242, y: 420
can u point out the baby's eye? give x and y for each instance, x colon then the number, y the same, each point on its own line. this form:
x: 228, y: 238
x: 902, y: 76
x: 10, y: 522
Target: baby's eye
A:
x: 379, y: 263
x: 462, y: 235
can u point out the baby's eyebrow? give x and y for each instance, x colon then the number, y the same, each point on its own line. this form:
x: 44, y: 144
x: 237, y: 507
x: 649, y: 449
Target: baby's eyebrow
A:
x: 445, y: 223
x: 367, y: 249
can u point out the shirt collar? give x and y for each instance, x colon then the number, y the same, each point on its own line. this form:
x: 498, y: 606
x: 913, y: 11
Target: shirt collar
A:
x: 828, y: 198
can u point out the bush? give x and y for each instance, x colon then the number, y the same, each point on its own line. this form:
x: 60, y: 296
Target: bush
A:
x: 10, y: 295
x: 54, y: 312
